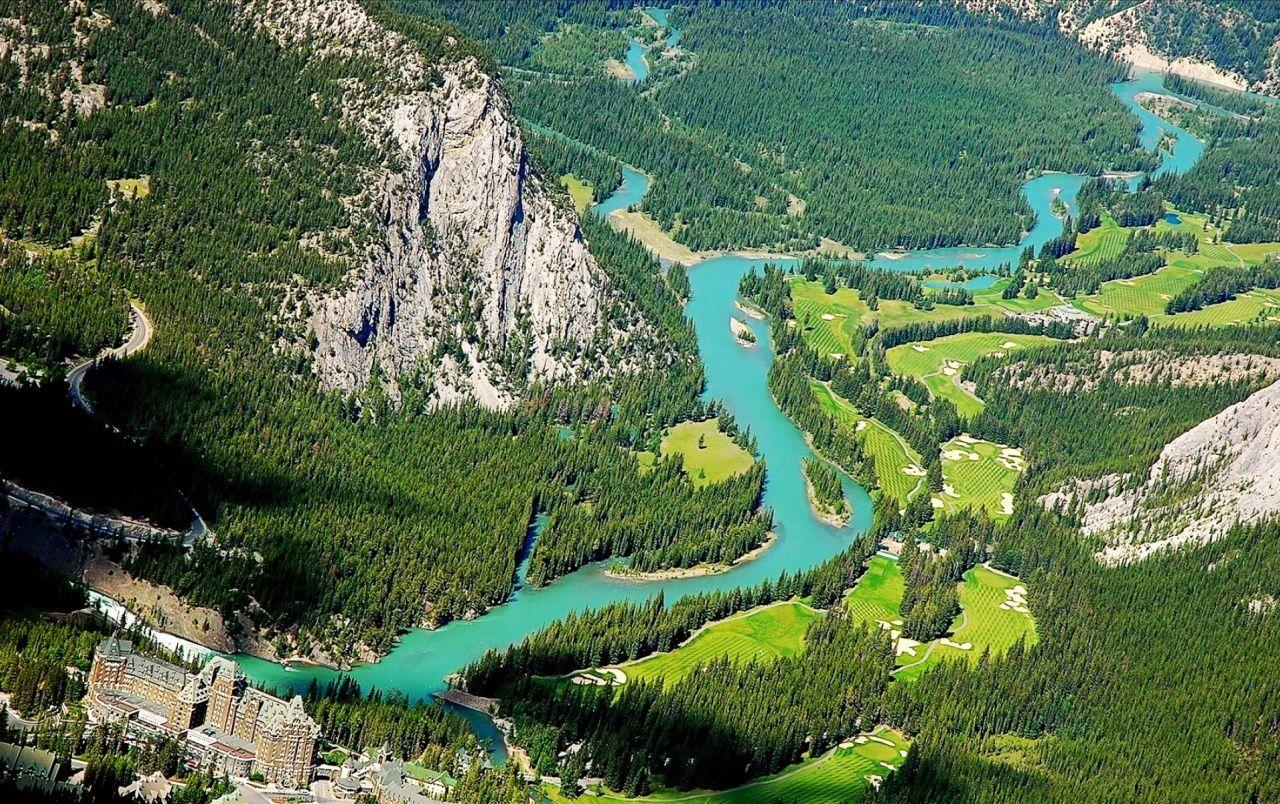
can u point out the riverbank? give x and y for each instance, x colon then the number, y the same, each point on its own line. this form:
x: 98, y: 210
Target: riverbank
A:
x: 668, y: 250
x: 828, y: 516
x: 736, y: 378
x: 623, y: 573
x: 742, y: 332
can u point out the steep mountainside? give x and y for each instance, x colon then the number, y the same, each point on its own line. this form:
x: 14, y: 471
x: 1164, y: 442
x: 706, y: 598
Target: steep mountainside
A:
x: 1222, y: 471
x: 1231, y: 43
x: 328, y: 213
x: 474, y: 276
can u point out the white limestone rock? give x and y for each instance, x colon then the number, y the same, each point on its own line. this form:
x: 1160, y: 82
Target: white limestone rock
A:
x: 470, y: 255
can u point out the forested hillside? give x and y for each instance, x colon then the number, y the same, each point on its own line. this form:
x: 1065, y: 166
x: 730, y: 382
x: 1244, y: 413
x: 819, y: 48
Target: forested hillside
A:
x: 817, y: 124
x: 1231, y: 43
x: 263, y: 200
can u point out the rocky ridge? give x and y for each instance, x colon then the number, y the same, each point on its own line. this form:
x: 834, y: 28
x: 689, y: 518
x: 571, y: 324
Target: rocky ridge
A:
x: 1222, y: 471
x: 1122, y: 28
x: 476, y: 281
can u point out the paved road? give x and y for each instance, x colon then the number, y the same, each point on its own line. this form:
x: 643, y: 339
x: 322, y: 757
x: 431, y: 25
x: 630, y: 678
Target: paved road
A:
x: 139, y: 337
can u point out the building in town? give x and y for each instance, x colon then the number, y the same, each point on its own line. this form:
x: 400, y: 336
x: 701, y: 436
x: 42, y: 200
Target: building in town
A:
x: 35, y: 770
x: 226, y: 725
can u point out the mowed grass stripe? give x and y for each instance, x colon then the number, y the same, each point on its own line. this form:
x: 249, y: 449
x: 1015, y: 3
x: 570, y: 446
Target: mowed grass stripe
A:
x: 890, y: 451
x: 1102, y: 243
x: 981, y: 484
x: 986, y: 625
x: 1253, y: 307
x: 837, y: 776
x: 928, y: 361
x: 878, y: 594
x: 1143, y: 295
x: 762, y: 635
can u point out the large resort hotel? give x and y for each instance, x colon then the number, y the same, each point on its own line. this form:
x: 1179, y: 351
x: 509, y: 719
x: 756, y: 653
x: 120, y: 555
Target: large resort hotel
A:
x: 227, y: 726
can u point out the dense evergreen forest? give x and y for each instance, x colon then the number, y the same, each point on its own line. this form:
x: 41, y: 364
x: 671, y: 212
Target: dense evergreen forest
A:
x: 1152, y: 681
x: 1238, y: 179
x: 322, y: 503
x: 1091, y: 713
x: 759, y: 123
x: 1062, y: 403
x: 53, y: 306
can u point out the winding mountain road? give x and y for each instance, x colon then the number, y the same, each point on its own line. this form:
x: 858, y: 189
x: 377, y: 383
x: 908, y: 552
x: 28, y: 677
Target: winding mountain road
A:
x: 139, y: 337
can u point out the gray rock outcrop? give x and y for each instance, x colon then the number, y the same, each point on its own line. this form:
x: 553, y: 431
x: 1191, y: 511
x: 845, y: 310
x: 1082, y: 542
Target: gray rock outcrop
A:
x: 475, y: 281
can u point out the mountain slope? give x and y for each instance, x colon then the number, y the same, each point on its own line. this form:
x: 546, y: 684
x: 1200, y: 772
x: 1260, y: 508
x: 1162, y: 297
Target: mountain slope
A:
x: 1222, y: 471
x: 471, y: 259
x: 342, y: 243
x: 1230, y: 43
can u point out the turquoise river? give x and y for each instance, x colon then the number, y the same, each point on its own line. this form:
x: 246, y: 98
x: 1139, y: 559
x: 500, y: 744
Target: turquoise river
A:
x: 736, y: 376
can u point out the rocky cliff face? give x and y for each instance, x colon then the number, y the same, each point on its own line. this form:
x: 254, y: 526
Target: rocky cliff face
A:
x: 475, y: 281
x: 1222, y: 471
x: 1165, y: 35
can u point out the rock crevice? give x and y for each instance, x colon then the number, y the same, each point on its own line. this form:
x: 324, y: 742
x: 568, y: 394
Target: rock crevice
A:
x: 468, y: 246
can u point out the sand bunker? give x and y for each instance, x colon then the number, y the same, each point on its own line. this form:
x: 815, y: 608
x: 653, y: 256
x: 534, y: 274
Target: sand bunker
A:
x: 953, y: 455
x: 947, y: 370
x: 1006, y: 503
x: 1008, y: 345
x: 905, y: 646
x: 950, y: 491
x: 859, y: 427
x: 936, y: 502
x: 965, y: 438
x: 955, y: 364
x: 956, y: 645
x: 873, y: 738
x: 828, y: 317
x: 919, y: 348
x: 612, y: 677
x: 1015, y: 600
x: 914, y: 471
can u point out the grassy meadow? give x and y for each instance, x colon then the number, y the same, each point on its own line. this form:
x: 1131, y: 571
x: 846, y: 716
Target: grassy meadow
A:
x: 580, y: 191
x: 718, y: 457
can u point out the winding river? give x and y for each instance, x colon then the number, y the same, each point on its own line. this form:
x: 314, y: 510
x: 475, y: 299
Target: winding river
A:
x: 735, y: 375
